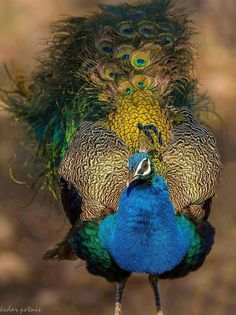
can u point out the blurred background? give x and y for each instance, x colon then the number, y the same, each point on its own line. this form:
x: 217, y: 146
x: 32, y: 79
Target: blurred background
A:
x: 27, y: 231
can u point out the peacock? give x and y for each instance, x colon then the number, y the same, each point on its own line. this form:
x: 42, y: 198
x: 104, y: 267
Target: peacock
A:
x: 114, y: 117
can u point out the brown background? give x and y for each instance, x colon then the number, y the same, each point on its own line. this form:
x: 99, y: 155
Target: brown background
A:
x: 26, y: 232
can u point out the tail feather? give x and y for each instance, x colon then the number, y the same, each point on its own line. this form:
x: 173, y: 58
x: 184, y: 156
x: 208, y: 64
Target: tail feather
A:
x: 62, y: 251
x: 80, y: 77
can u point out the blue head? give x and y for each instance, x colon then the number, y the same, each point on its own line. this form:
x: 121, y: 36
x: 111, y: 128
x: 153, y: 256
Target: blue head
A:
x: 140, y: 167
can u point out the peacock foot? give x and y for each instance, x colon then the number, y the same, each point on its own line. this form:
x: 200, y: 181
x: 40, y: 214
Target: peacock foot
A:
x: 118, y: 309
x: 119, y: 293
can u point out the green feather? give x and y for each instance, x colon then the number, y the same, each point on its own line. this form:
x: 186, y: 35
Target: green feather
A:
x: 86, y: 243
x: 202, y: 239
x: 62, y: 92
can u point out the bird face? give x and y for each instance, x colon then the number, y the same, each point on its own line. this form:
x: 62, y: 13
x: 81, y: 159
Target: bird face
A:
x: 140, y: 167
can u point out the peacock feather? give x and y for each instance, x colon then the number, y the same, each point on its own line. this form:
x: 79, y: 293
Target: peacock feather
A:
x: 87, y: 245
x: 117, y: 88
x: 95, y: 66
x: 135, y: 111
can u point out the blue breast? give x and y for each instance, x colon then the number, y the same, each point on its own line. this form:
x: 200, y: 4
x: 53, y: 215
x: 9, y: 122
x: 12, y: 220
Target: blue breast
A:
x: 144, y: 235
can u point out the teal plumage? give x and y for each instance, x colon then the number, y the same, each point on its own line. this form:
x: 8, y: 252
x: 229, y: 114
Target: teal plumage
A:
x: 203, y: 235
x: 87, y: 245
x: 90, y: 244
x: 146, y: 237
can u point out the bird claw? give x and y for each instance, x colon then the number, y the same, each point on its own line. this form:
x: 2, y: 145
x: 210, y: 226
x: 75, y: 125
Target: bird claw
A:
x: 118, y: 309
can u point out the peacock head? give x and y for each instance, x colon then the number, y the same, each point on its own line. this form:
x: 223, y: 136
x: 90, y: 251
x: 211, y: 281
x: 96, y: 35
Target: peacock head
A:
x: 140, y: 167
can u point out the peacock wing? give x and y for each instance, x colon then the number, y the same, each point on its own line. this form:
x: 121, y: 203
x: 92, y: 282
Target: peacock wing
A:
x: 96, y: 165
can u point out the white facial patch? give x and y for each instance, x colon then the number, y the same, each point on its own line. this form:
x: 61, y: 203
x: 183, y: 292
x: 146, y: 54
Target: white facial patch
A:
x: 148, y: 170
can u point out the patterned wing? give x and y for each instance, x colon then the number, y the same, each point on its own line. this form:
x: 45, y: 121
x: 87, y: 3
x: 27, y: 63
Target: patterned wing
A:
x: 192, y: 164
x: 96, y: 164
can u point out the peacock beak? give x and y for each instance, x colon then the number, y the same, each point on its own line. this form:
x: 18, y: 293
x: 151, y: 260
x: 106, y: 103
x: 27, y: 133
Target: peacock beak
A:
x: 131, y: 177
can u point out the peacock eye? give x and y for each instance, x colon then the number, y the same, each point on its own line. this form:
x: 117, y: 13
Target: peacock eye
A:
x: 141, y: 84
x: 147, y: 29
x: 108, y: 71
x: 140, y: 59
x: 166, y: 39
x: 126, y: 88
x: 86, y: 66
x: 126, y: 29
x: 106, y: 48
x: 124, y: 52
x: 125, y: 56
x: 141, y: 81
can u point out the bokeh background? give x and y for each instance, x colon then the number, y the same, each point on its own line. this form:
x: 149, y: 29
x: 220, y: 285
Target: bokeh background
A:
x: 27, y: 228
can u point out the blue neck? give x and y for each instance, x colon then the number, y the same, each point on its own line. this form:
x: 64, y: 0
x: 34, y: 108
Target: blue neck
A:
x: 146, y: 237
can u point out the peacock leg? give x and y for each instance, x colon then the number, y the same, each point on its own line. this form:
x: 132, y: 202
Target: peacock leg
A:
x: 119, y: 293
x: 154, y: 282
